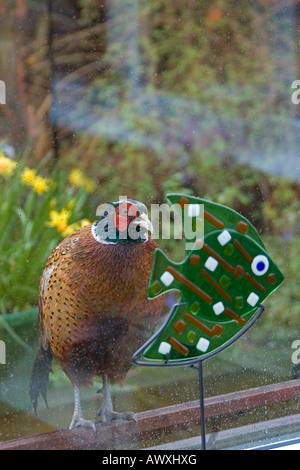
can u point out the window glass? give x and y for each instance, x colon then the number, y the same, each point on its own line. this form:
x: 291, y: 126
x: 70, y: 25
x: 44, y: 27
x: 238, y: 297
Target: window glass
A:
x: 141, y: 99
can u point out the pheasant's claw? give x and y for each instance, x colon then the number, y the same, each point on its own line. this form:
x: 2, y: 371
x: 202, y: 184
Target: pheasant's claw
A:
x: 108, y: 415
x: 127, y: 415
x: 79, y: 422
x: 106, y: 410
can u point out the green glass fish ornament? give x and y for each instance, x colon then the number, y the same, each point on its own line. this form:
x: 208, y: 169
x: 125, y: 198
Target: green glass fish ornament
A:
x: 223, y: 281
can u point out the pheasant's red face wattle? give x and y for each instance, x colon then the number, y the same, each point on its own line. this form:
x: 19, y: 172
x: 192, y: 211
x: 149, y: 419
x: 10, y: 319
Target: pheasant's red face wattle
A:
x: 124, y: 214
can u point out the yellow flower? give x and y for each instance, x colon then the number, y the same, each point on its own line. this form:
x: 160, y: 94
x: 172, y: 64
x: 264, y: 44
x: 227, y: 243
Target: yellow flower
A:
x: 71, y: 229
x: 59, y: 220
x: 75, y: 226
x: 40, y: 184
x: 84, y: 222
x: 71, y: 204
x: 28, y: 176
x: 90, y: 185
x: 7, y: 166
x: 76, y: 178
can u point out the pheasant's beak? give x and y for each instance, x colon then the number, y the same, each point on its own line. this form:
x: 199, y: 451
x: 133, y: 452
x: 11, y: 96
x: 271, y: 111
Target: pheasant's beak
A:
x: 145, y: 222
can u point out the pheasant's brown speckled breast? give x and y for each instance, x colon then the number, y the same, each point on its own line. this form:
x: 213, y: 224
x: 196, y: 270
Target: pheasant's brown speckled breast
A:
x: 93, y: 307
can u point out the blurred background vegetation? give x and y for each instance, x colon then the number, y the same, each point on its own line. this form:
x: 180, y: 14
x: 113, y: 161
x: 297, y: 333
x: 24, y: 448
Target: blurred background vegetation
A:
x: 140, y: 98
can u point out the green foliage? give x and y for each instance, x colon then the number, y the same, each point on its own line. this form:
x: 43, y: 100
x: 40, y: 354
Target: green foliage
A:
x: 31, y: 226
x: 283, y: 306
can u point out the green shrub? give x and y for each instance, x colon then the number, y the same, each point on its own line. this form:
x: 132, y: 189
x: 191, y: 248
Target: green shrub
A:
x: 35, y: 214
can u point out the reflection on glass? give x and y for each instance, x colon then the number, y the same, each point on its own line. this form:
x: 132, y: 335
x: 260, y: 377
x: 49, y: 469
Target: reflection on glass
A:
x: 142, y: 99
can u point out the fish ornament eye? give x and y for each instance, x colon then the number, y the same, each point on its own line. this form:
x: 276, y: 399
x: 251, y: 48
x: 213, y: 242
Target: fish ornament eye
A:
x: 260, y: 265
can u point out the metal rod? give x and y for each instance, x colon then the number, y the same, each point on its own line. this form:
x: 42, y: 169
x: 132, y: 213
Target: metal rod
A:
x: 202, y: 410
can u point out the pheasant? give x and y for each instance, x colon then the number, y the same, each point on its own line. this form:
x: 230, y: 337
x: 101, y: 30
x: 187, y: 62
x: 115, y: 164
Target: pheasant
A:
x: 93, y: 307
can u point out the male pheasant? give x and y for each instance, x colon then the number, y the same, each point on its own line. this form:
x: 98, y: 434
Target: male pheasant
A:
x: 93, y: 307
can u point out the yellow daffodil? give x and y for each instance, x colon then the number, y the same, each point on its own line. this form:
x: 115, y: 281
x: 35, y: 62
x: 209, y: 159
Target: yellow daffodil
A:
x: 71, y: 204
x: 28, y: 176
x: 71, y: 229
x: 40, y: 185
x: 59, y: 220
x: 84, y: 222
x: 76, y: 178
x: 76, y: 226
x: 89, y: 185
x: 7, y: 166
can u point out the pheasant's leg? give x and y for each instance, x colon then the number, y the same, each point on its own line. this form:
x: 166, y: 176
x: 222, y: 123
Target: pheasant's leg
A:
x: 78, y: 419
x: 106, y: 410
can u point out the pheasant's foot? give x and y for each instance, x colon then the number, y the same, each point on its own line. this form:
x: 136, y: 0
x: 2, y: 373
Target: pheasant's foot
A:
x: 110, y: 415
x: 106, y: 410
x: 79, y: 422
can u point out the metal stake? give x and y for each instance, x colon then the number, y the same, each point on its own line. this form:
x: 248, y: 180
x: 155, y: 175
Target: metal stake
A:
x: 202, y: 411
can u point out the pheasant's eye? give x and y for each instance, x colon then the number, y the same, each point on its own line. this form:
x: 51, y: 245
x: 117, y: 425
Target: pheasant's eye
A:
x: 260, y: 265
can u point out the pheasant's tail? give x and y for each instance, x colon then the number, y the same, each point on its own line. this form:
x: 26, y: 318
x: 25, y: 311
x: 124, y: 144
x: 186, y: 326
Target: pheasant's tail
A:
x: 39, y: 376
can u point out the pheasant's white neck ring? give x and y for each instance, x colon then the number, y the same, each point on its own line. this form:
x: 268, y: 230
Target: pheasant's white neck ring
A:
x: 105, y: 241
x: 99, y: 239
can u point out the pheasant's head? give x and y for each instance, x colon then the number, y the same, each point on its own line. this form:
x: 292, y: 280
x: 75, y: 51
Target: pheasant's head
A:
x: 124, y: 221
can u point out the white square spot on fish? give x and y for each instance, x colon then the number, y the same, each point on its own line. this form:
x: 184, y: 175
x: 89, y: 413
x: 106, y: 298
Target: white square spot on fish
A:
x: 164, y: 348
x: 193, y: 210
x: 224, y: 237
x: 202, y: 345
x: 211, y: 263
x: 219, y: 308
x: 252, y: 299
x: 167, y: 278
